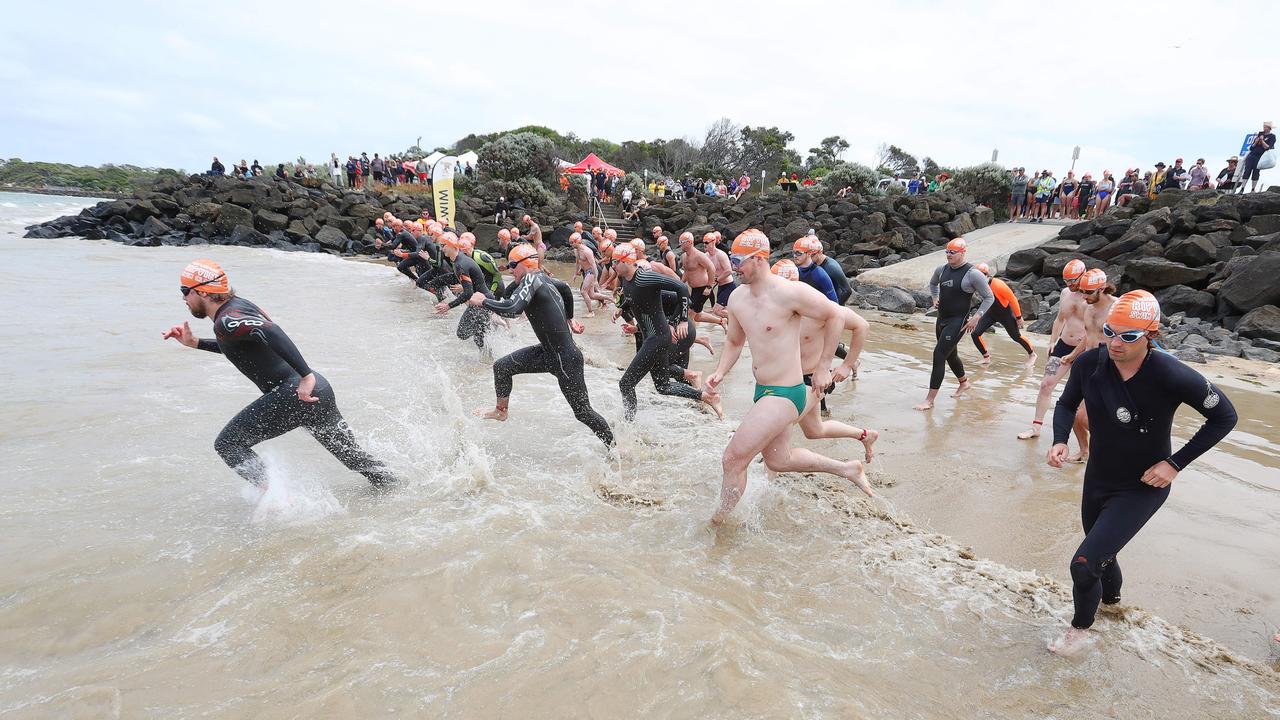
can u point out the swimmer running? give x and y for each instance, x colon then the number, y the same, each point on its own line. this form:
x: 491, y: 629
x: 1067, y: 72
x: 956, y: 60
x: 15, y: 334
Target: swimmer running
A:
x: 293, y: 395
x: 766, y: 312
x: 953, y: 286
x: 1131, y: 392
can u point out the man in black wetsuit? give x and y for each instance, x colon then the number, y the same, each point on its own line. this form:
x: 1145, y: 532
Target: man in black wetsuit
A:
x: 1130, y: 391
x: 293, y: 395
x: 643, y: 289
x: 431, y: 257
x: 953, y: 287
x: 405, y: 247
x: 548, y: 303
x: 468, y: 278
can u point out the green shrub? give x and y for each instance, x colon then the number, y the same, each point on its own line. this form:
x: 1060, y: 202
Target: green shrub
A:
x: 519, y: 156
x: 854, y: 175
x: 987, y: 183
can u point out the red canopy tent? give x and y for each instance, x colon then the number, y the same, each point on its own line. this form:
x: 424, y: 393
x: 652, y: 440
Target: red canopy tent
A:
x: 591, y: 163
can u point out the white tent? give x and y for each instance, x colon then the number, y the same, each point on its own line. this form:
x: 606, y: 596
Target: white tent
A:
x: 431, y: 159
x: 469, y: 157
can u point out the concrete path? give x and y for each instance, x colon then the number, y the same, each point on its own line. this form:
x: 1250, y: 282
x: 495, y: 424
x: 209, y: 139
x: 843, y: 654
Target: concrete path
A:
x: 996, y: 242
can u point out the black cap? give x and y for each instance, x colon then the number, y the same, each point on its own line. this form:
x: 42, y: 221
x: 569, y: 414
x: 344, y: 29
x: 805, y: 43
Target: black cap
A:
x: 1159, y: 164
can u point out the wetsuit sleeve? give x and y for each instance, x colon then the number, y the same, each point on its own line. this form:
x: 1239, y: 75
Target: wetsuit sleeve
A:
x: 209, y: 345
x: 1191, y: 388
x: 1064, y: 413
x: 517, y: 300
x: 1005, y: 296
x: 975, y: 279
x: 258, y: 328
x: 469, y: 287
x: 934, y: 288
x: 566, y: 295
x: 665, y: 283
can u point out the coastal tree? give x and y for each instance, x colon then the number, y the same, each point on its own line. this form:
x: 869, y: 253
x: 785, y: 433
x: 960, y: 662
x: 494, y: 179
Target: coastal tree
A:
x: 828, y: 152
x: 766, y: 148
x: 893, y: 159
x: 721, y: 147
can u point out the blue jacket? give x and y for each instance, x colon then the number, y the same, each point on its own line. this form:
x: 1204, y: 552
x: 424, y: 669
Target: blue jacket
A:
x: 813, y: 275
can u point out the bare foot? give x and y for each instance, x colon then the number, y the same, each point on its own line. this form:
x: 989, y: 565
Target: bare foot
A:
x: 986, y: 360
x: 1079, y: 458
x: 694, y: 378
x: 869, y: 440
x: 705, y: 343
x: 1070, y: 642
x: 713, y: 399
x: 591, y: 314
x: 964, y: 387
x: 1031, y: 361
x: 494, y: 414
x: 859, y: 478
x: 1033, y: 433
x: 926, y: 405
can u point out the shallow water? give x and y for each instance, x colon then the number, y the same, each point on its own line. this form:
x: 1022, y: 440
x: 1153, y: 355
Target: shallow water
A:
x: 518, y: 574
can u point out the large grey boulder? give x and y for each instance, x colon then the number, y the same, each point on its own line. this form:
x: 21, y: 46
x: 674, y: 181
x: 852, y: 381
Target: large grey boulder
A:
x: 1255, y: 284
x: 230, y: 216
x: 332, y: 238
x: 1157, y: 273
x: 1260, y: 322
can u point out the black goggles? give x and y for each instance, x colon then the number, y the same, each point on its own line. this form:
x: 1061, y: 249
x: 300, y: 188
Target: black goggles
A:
x: 187, y: 290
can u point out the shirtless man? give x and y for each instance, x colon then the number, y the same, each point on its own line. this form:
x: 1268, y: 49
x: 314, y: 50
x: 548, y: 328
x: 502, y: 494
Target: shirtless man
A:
x: 698, y: 272
x: 766, y: 312
x: 585, y: 261
x: 535, y: 237
x: 725, y: 284
x: 1067, y: 335
x: 655, y: 232
x: 811, y: 335
x: 1099, y: 296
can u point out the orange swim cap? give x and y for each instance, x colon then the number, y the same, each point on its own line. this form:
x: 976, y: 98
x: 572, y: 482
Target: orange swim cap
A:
x: 751, y: 242
x: 984, y: 268
x: 378, y: 222
x: 505, y: 234
x: 638, y: 244
x: 808, y: 245
x: 515, y: 233
x: 958, y: 245
x: 524, y: 254
x: 1073, y: 270
x: 526, y: 219
x: 205, y: 275
x: 611, y: 234
x: 657, y: 229
x: 709, y: 237
x: 686, y: 237
x: 663, y: 241
x: 786, y: 269
x: 467, y: 242
x: 626, y: 253
x: 1137, y: 310
x: 575, y: 238
x: 449, y: 239
x: 1094, y: 279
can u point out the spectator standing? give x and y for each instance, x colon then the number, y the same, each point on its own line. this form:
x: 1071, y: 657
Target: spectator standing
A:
x: 1106, y: 188
x: 1199, y: 176
x: 1262, y: 142
x: 1086, y: 199
x: 1176, y: 177
x: 468, y: 170
x: 378, y: 167
x: 1067, y: 196
x: 1045, y: 188
x: 1018, y: 193
x: 1227, y: 178
x: 351, y: 171
x: 1157, y: 181
x: 335, y: 169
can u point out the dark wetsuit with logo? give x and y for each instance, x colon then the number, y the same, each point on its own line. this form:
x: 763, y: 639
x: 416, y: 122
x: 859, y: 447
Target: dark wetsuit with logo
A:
x: 548, y: 303
x: 1130, y: 422
x: 432, y: 266
x: 475, y: 321
x: 265, y: 354
x: 954, y: 288
x: 644, y: 295
x: 406, y: 242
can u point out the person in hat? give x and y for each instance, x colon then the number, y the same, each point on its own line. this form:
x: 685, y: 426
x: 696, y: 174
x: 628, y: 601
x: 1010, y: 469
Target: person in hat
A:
x: 293, y: 395
x: 1262, y: 142
x: 1130, y: 391
x: 1227, y: 177
x: 1157, y: 181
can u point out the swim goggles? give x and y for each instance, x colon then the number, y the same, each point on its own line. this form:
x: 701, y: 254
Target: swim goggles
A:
x: 187, y: 290
x: 1129, y: 336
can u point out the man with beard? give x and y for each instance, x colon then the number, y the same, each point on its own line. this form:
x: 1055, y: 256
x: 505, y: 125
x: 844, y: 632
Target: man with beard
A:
x: 293, y: 395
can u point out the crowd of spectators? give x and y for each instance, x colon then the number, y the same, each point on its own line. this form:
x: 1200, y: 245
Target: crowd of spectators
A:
x: 1041, y: 196
x: 355, y: 172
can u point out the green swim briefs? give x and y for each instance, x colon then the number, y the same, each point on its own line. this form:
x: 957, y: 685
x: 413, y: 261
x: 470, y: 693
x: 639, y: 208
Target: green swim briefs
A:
x: 797, y: 394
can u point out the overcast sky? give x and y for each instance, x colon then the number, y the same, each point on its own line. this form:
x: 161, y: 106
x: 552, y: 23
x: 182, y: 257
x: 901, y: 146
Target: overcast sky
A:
x: 173, y: 83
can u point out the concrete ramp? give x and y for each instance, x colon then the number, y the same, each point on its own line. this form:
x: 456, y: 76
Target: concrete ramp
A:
x: 996, y: 242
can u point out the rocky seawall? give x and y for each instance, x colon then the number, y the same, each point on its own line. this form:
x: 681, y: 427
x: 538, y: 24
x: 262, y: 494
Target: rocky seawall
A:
x: 1211, y: 258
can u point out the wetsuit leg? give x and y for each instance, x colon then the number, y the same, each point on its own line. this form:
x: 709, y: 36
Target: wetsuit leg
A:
x: 662, y: 380
x: 944, y: 353
x: 406, y: 267
x: 566, y: 366
x: 474, y: 324
x: 651, y: 359
x: 438, y: 283
x: 267, y: 417
x: 330, y: 429
x: 1111, y: 519
x: 679, y: 356
x: 426, y: 275
x: 984, y: 324
x: 1010, y: 324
